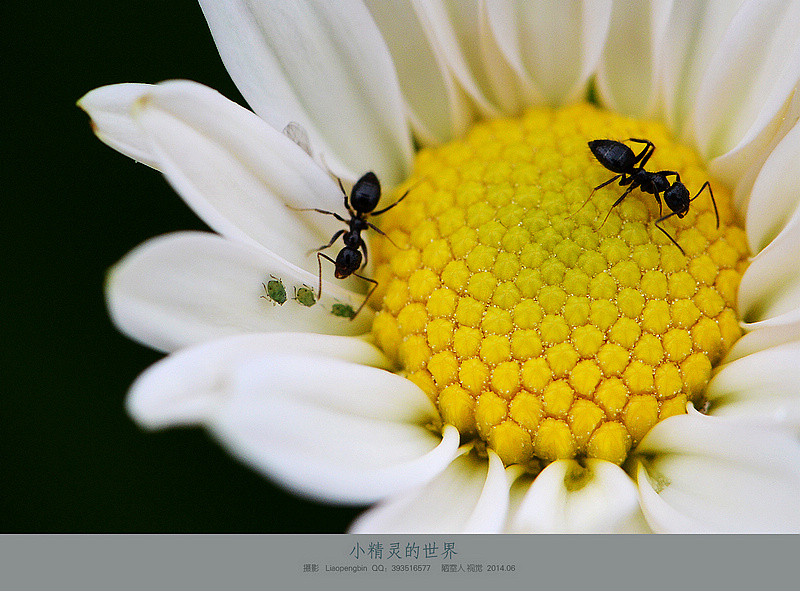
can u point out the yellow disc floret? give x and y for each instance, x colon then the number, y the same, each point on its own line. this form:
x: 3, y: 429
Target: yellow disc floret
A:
x: 532, y: 321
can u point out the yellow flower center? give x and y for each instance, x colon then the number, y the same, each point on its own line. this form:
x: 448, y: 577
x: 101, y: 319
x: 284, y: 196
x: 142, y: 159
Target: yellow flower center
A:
x: 531, y: 324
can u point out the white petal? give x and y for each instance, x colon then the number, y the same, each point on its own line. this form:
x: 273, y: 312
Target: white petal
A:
x: 325, y: 66
x: 438, y: 109
x: 185, y: 288
x: 709, y: 475
x: 190, y: 386
x: 322, y: 427
x: 470, y: 496
x: 454, y: 27
x: 567, y: 498
x: 628, y: 72
x: 332, y: 430
x: 503, y: 24
x: 553, y: 47
x: 502, y: 82
x: 740, y: 174
x: 775, y: 197
x: 765, y: 334
x: 762, y: 387
x: 110, y: 110
x: 237, y: 172
x: 770, y: 286
x: 747, y: 84
x: 696, y: 28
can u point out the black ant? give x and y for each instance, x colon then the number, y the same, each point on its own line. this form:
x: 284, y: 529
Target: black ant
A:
x: 363, y: 199
x: 619, y: 158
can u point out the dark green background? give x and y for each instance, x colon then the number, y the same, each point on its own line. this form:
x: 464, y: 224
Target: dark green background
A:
x: 72, y: 460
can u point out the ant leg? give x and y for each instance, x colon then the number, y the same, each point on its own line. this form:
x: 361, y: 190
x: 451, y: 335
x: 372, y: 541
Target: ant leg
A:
x: 382, y: 233
x: 334, y: 214
x: 666, y: 173
x: 374, y: 287
x: 385, y: 209
x: 608, y: 182
x: 346, y: 202
x: 658, y: 198
x: 319, y: 262
x: 618, y: 201
x: 363, y: 247
x: 707, y: 184
x: 667, y: 233
x: 644, y: 155
x: 335, y: 236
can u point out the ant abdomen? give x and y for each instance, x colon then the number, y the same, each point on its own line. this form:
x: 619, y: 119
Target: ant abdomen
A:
x: 366, y: 193
x: 615, y: 156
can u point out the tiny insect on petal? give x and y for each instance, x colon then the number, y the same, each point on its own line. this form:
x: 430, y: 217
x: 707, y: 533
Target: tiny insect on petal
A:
x: 343, y: 311
x: 305, y: 296
x: 275, y: 291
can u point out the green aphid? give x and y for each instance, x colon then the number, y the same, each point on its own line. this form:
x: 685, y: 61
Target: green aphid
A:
x: 343, y: 311
x: 305, y: 295
x: 275, y: 291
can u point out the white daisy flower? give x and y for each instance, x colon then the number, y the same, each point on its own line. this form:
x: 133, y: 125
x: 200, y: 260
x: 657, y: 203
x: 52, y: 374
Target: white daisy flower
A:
x: 538, y: 356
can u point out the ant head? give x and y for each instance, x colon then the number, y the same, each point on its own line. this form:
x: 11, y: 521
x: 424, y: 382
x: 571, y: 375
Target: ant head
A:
x: 677, y: 198
x: 347, y: 262
x: 366, y: 193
